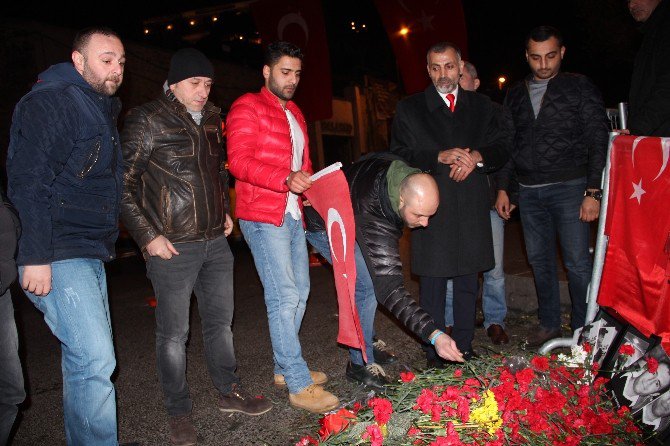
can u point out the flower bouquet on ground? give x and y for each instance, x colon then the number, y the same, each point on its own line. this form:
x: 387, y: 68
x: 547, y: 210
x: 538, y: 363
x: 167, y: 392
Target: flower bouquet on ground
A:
x: 488, y: 401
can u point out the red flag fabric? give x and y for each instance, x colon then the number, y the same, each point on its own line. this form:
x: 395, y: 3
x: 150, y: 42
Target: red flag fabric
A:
x: 329, y: 196
x: 636, y: 273
x: 413, y: 26
x: 301, y: 23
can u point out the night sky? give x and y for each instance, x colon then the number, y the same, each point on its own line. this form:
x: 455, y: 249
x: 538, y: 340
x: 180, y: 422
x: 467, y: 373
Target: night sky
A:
x: 600, y: 36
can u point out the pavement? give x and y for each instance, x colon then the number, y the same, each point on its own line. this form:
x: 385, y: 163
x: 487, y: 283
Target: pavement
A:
x: 141, y: 416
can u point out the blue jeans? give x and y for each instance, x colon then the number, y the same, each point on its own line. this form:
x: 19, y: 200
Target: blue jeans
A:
x: 282, y: 261
x: 77, y: 312
x: 494, y: 300
x: 545, y: 212
x: 12, y: 392
x: 205, y: 267
x: 366, y: 301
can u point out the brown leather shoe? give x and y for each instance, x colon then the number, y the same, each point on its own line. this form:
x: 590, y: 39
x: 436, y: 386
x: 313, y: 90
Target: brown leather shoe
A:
x: 182, y: 432
x: 497, y: 334
x: 314, y: 398
x: 543, y: 335
x: 238, y: 400
x: 317, y: 378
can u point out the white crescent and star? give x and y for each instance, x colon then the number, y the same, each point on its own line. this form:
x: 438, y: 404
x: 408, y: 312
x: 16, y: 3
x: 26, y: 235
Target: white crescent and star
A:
x: 638, y: 192
x: 335, y: 217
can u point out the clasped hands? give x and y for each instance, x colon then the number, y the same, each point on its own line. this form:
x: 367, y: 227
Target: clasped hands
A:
x: 462, y: 161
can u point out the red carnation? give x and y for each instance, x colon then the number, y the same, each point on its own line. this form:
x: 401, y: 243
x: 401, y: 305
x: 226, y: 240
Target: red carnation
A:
x: 335, y: 422
x: 374, y: 434
x: 382, y: 408
x: 587, y: 347
x: 540, y: 363
x: 652, y: 364
x: 407, y: 377
x: 626, y: 349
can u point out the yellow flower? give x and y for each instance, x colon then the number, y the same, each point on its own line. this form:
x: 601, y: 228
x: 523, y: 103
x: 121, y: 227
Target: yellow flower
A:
x: 486, y: 415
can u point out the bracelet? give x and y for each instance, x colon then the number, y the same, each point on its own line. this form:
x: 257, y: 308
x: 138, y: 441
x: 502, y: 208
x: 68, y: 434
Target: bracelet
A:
x: 435, y: 336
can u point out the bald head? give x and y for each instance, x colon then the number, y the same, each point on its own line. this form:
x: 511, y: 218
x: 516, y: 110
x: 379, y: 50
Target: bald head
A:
x: 419, y: 198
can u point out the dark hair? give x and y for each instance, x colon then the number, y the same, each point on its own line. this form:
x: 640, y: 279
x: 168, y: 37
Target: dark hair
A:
x: 276, y: 50
x: 441, y: 47
x: 84, y: 36
x: 542, y: 33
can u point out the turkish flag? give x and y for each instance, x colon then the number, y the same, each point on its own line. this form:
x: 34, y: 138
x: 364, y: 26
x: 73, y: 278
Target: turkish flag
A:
x: 329, y: 196
x: 636, y: 273
x: 301, y: 23
x: 426, y: 23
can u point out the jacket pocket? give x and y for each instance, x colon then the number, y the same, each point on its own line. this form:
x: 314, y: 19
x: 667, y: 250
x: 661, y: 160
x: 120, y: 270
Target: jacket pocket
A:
x: 86, y: 212
x: 166, y: 209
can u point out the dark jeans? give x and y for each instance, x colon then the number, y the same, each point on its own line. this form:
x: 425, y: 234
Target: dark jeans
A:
x: 11, y: 376
x: 545, y: 212
x: 432, y: 299
x: 205, y: 268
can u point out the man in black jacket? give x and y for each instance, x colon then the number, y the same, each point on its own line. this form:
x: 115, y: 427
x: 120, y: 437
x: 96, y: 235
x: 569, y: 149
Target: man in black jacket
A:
x: 175, y: 206
x: 386, y: 195
x: 649, y: 99
x: 12, y: 392
x: 455, y: 135
x: 558, y: 155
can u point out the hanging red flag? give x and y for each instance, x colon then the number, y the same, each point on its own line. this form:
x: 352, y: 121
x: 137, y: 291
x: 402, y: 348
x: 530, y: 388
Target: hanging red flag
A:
x: 301, y: 23
x: 329, y: 196
x: 636, y: 274
x: 413, y: 26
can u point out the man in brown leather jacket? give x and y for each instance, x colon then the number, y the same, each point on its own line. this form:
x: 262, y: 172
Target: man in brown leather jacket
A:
x: 175, y: 206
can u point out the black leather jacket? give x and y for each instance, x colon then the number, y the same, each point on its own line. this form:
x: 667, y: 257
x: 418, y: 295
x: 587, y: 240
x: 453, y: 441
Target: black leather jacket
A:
x: 567, y: 140
x: 175, y: 177
x: 378, y: 232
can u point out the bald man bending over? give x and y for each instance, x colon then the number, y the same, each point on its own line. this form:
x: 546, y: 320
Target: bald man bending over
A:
x: 386, y: 195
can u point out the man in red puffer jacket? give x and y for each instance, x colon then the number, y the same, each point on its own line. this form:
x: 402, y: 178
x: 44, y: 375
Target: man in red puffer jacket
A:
x: 268, y: 154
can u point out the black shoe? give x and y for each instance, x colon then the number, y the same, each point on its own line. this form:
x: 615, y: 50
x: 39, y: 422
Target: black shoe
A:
x: 436, y: 363
x: 469, y: 355
x: 383, y: 355
x: 238, y: 400
x: 371, y: 375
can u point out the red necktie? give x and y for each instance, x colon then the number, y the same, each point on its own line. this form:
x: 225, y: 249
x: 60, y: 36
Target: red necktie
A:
x: 452, y: 102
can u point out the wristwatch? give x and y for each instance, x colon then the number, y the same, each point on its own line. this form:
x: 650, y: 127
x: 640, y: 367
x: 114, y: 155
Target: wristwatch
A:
x: 595, y: 194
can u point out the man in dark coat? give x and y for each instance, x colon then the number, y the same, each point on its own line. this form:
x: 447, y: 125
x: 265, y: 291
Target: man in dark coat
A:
x: 649, y: 99
x: 456, y: 136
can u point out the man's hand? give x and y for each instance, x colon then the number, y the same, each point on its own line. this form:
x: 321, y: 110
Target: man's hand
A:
x: 462, y: 162
x: 590, y: 210
x: 298, y: 181
x: 37, y: 279
x: 228, y: 225
x: 162, y: 247
x: 503, y: 205
x: 446, y: 348
x: 458, y: 156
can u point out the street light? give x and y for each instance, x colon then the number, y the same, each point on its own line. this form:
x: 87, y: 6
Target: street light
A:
x: 404, y: 31
x: 501, y: 82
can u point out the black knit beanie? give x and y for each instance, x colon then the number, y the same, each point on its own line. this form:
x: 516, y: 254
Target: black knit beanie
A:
x: 187, y: 63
